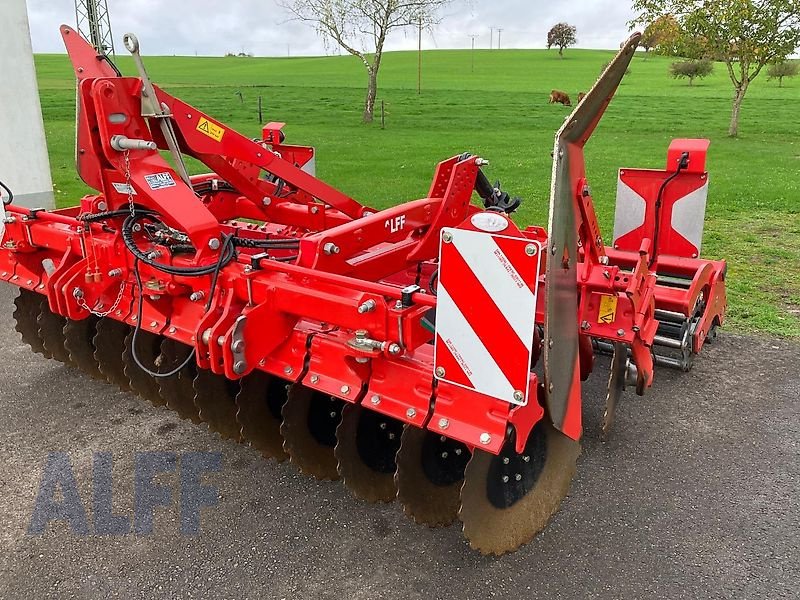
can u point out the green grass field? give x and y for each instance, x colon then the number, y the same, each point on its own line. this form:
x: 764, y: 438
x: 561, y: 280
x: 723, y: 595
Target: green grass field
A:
x: 499, y: 110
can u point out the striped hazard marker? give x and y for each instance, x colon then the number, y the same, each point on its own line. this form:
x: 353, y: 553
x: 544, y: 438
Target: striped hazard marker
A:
x: 486, y: 306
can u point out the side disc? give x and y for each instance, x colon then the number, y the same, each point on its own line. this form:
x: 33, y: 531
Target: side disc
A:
x: 309, y: 431
x: 178, y: 390
x: 215, y: 399
x: 259, y: 406
x: 51, y: 332
x: 148, y: 351
x: 109, y: 344
x: 507, y: 499
x: 79, y: 342
x: 27, y: 306
x: 430, y: 473
x: 616, y: 385
x: 367, y: 443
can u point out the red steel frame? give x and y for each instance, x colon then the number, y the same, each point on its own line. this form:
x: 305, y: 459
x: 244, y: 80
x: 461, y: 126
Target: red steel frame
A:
x: 299, y: 319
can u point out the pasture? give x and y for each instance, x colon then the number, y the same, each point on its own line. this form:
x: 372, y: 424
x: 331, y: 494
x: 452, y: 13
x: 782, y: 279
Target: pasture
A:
x: 499, y: 110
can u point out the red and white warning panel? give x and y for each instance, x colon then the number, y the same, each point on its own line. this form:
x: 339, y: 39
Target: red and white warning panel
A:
x: 486, y: 306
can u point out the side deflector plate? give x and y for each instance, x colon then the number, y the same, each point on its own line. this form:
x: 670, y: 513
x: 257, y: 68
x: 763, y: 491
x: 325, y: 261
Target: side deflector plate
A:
x: 562, y: 371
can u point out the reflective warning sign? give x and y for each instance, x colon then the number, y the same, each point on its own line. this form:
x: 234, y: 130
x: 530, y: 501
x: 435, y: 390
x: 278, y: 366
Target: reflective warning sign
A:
x: 215, y: 132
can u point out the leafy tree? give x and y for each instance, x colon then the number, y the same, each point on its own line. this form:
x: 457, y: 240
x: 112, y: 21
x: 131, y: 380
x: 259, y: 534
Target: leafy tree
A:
x: 744, y: 34
x: 691, y: 69
x: 562, y: 35
x: 784, y: 68
x: 362, y: 26
x: 661, y: 36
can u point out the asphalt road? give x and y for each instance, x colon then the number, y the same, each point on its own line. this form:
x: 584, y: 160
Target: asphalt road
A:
x: 695, y: 496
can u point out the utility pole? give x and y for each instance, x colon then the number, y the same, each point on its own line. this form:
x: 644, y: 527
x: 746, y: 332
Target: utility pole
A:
x: 472, y: 54
x: 419, y: 57
x: 491, y: 37
x: 499, y: 31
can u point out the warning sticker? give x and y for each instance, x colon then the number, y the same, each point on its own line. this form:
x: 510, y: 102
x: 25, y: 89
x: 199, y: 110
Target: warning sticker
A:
x: 608, y: 309
x: 159, y: 181
x: 215, y: 132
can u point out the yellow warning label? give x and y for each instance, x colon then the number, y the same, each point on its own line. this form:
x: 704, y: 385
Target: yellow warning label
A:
x: 608, y: 309
x: 215, y: 132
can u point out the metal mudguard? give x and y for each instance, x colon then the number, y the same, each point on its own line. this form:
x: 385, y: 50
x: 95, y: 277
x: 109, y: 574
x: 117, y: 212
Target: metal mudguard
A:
x: 561, y: 363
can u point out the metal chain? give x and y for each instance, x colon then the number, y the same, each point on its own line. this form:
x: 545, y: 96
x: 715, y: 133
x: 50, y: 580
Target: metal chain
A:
x: 128, y: 187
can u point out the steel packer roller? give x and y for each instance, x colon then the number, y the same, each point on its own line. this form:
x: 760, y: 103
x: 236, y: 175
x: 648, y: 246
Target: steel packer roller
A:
x: 432, y: 352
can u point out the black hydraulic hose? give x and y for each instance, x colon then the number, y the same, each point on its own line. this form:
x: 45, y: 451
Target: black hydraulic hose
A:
x: 10, y: 199
x: 683, y: 164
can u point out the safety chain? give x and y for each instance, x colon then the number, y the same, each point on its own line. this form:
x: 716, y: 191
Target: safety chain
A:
x: 128, y: 187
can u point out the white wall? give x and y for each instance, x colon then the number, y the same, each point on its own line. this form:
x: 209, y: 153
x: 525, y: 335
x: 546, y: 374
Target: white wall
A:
x: 24, y: 165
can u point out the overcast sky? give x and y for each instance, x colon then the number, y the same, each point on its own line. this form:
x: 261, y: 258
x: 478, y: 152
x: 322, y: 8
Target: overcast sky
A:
x: 213, y: 27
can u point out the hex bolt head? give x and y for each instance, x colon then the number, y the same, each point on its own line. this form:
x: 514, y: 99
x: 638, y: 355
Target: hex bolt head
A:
x: 213, y: 243
x: 411, y: 413
x: 447, y: 237
x: 266, y: 201
x: 153, y: 324
x: 238, y: 346
x: 330, y: 248
x: 621, y: 332
x: 550, y: 388
x: 288, y: 370
x: 485, y: 438
x: 505, y: 460
x: 345, y: 389
x: 505, y: 478
x: 443, y: 423
x: 395, y: 349
x: 440, y: 371
x: 531, y: 250
x: 375, y: 399
x: 239, y: 367
x: 526, y: 458
x: 315, y: 379
x: 173, y: 330
x: 518, y: 396
x: 518, y: 477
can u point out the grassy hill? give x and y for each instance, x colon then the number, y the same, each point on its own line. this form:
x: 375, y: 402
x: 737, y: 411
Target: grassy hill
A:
x: 498, y: 109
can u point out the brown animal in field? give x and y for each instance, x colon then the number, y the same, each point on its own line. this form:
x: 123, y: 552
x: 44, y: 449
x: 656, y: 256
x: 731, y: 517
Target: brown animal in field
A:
x: 581, y: 96
x: 559, y: 97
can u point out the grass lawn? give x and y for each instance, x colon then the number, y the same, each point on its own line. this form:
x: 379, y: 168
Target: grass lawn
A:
x: 498, y: 109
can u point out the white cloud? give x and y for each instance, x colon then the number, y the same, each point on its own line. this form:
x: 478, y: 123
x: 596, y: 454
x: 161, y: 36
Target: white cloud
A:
x: 210, y: 27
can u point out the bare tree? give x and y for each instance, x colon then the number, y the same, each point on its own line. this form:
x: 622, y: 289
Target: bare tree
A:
x: 362, y: 26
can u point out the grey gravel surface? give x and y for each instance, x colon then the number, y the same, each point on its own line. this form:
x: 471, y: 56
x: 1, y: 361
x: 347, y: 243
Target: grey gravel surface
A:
x: 695, y: 496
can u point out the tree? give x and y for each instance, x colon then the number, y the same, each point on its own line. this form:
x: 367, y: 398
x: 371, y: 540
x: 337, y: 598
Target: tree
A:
x: 362, y: 26
x: 661, y: 36
x: 781, y: 69
x: 744, y: 34
x: 562, y: 35
x: 691, y: 69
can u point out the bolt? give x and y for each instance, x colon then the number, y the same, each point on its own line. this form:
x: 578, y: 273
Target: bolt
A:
x: 206, y: 337
x: 381, y: 425
x: 395, y: 349
x: 315, y: 379
x: 288, y: 370
x: 621, y: 332
x: 367, y: 306
x: 411, y: 413
x: 330, y: 248
x: 526, y: 458
x: 505, y: 478
x: 458, y: 451
x: 391, y: 436
x: 375, y: 400
x: 153, y: 324
x: 444, y: 423
x: 361, y: 335
x: 444, y: 454
x: 238, y: 346
x: 440, y: 371
x: 134, y: 318
x: 531, y: 250
x: 213, y: 243
x: 485, y: 438
x: 115, y: 272
x: 221, y: 340
x: 314, y: 210
x: 266, y: 201
x: 607, y: 274
x: 553, y: 250
x: 333, y: 414
x: 518, y: 477
x: 447, y: 237
x: 550, y: 343
x: 604, y: 260
x: 248, y: 269
x: 550, y: 388
x: 505, y: 460
x: 197, y: 296
x: 240, y: 367
x: 519, y: 396
x: 173, y: 329
x: 481, y: 162
x: 585, y: 325
x: 345, y: 389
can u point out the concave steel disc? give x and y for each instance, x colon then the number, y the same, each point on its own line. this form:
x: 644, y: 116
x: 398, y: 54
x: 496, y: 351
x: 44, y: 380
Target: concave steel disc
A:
x: 148, y: 351
x: 507, y: 499
x: 215, y: 399
x: 430, y: 473
x: 51, y: 332
x: 259, y: 404
x: 109, y: 344
x: 178, y: 390
x: 309, y: 425
x: 367, y: 443
x: 79, y: 342
x: 616, y: 385
x: 27, y: 307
